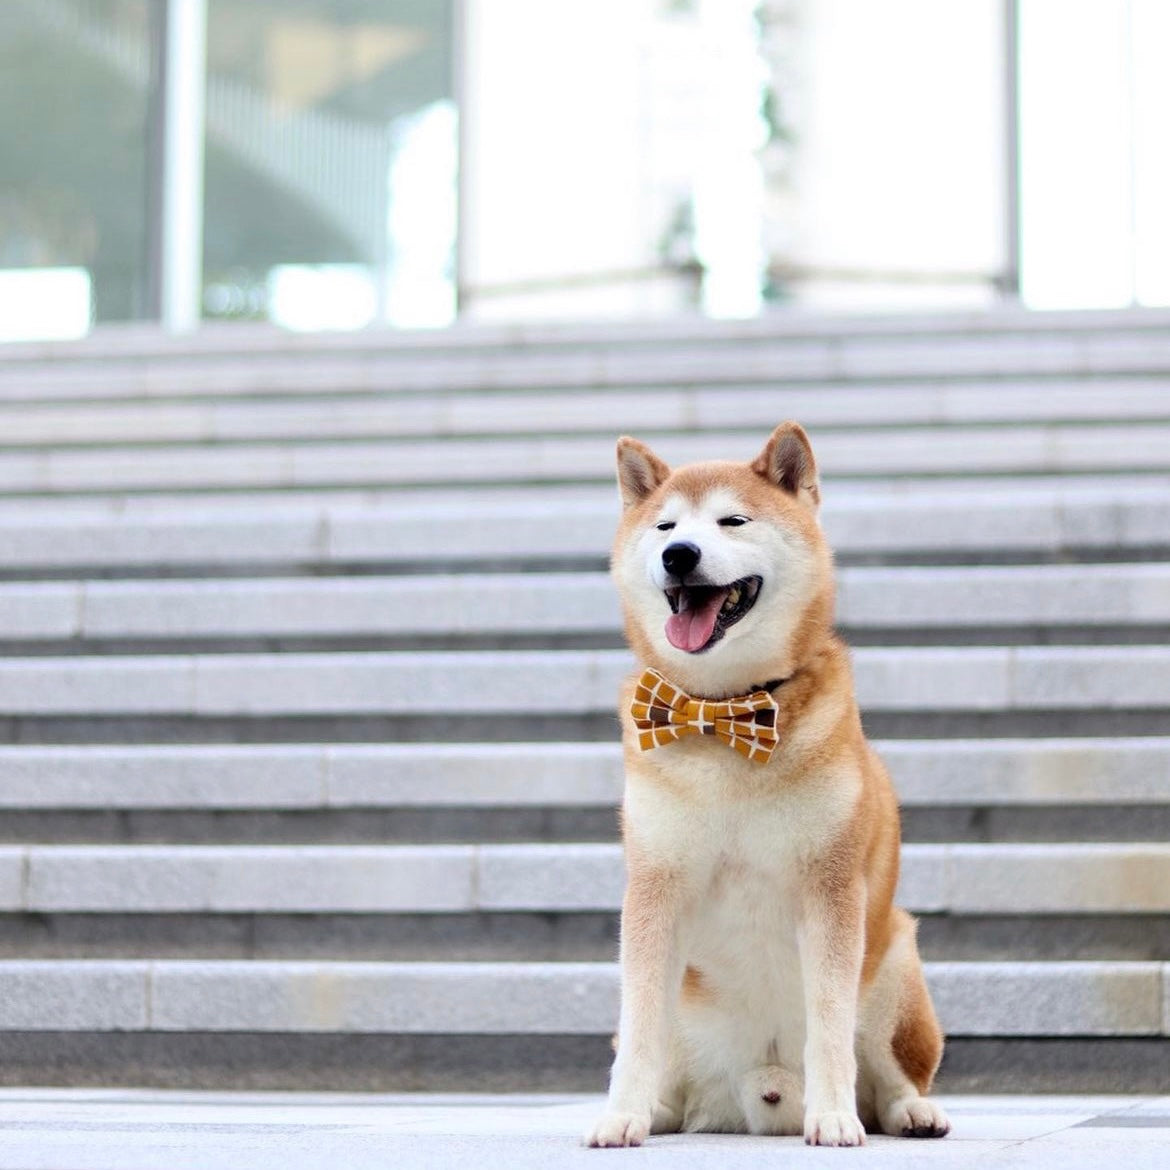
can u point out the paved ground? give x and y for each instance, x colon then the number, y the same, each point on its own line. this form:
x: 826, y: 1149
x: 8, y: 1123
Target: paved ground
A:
x: 44, y: 1129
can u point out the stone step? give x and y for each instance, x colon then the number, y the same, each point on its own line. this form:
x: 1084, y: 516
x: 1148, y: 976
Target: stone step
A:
x: 949, y: 602
x: 371, y: 414
x: 531, y: 935
x: 136, y: 876
x: 216, y: 340
x: 541, y: 695
x: 950, y: 790
x: 503, y: 682
x: 776, y: 348
x: 1073, y: 490
x: 953, y: 879
x: 927, y: 451
x: 993, y: 999
x: 1009, y: 773
x: 250, y: 534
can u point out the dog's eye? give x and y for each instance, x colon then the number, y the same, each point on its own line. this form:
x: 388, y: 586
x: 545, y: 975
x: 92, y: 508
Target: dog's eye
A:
x: 665, y: 526
x: 733, y: 521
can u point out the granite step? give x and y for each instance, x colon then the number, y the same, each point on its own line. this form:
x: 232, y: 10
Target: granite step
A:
x: 1023, y: 449
x: 296, y: 788
x: 956, y: 879
x: 945, y: 347
x: 539, y: 902
x: 947, y: 604
x: 252, y: 535
x: 585, y: 682
x: 350, y: 414
x: 1000, y: 999
x: 460, y: 1026
x: 510, y: 695
x: 950, y: 791
x: 1011, y: 773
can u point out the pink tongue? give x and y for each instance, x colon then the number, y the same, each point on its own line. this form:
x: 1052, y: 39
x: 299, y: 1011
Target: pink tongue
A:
x: 691, y: 629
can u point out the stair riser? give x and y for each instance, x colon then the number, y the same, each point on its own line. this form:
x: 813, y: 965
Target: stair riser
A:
x: 414, y: 533
x: 501, y: 1064
x: 520, y: 824
x: 600, y: 728
x: 472, y: 463
x: 362, y: 414
x: 1032, y: 635
x: 846, y: 350
x: 991, y: 605
x: 534, y: 937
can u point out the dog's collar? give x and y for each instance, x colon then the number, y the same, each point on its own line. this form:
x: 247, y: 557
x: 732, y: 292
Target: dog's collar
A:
x: 770, y: 687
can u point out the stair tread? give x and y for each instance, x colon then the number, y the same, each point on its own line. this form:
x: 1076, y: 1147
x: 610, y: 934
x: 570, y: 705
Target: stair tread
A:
x: 577, y: 682
x: 901, y: 453
x: 926, y: 773
x: 1000, y: 878
x: 553, y: 603
x: 1000, y: 998
x: 251, y: 531
x: 313, y: 416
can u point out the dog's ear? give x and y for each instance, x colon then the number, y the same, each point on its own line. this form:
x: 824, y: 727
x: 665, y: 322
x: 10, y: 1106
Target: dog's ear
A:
x: 787, y: 461
x: 640, y: 471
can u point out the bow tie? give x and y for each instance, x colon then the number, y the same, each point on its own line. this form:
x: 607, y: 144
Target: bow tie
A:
x: 662, y: 713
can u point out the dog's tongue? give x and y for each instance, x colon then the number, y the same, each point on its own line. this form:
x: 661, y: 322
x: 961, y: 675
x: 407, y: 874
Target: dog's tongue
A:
x: 691, y: 628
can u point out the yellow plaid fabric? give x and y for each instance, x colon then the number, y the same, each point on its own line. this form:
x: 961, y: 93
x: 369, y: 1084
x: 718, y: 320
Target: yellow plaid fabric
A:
x: 662, y: 713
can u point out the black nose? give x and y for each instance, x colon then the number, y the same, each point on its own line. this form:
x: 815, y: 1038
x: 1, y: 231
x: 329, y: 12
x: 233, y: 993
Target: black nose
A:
x: 680, y: 558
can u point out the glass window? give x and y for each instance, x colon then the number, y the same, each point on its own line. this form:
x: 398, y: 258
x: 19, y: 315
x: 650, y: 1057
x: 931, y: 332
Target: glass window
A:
x: 74, y: 96
x: 330, y: 162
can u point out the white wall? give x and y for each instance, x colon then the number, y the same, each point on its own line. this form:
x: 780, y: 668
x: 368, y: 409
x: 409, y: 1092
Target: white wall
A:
x: 587, y: 122
x: 555, y: 183
x: 899, y: 157
x: 1095, y: 181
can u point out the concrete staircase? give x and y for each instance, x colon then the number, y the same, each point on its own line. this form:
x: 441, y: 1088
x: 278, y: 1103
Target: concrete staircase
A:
x: 307, y: 743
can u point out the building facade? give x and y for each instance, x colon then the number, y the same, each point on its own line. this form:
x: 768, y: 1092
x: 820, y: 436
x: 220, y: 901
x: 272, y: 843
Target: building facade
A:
x: 341, y: 163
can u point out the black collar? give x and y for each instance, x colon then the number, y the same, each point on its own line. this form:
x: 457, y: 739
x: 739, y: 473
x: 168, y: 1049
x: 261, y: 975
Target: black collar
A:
x: 773, y: 685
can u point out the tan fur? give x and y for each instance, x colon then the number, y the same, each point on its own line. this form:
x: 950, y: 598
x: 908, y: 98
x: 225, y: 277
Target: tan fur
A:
x: 763, y: 960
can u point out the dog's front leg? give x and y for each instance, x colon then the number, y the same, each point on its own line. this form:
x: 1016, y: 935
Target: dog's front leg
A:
x: 651, y: 972
x: 832, y: 939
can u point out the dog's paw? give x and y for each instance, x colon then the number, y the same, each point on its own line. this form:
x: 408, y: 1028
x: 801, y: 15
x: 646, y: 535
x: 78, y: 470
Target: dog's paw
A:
x: 619, y: 1129
x: 915, y: 1117
x: 833, y: 1128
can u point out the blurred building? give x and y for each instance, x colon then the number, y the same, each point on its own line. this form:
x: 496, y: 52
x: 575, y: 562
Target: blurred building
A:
x: 337, y: 163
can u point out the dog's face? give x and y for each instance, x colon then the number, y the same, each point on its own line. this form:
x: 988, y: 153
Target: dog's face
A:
x: 722, y: 566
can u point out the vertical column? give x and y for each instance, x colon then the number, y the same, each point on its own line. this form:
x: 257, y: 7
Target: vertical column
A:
x: 461, y: 17
x: 1129, y: 74
x: 179, y: 163
x: 1009, y: 282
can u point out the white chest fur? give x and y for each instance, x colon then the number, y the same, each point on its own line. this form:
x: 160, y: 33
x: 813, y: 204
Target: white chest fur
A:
x: 741, y: 840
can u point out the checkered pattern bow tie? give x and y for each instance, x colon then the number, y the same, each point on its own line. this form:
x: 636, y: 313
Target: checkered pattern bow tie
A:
x: 662, y: 713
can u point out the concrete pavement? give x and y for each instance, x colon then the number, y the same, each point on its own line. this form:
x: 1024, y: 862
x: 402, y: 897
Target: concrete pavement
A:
x: 46, y: 1129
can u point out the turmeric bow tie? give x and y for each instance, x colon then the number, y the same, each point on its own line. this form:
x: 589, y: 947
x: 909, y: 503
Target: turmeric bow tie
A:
x: 662, y: 713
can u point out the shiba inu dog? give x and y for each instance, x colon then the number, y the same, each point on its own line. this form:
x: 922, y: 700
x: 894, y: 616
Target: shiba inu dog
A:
x: 769, y: 984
